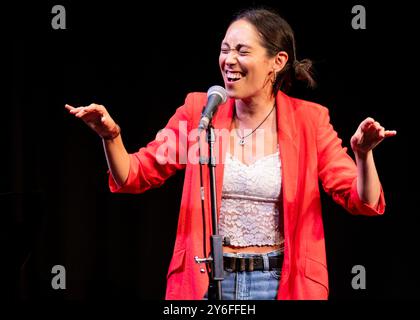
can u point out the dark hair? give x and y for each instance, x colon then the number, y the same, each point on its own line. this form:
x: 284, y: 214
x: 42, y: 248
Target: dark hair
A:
x: 277, y: 35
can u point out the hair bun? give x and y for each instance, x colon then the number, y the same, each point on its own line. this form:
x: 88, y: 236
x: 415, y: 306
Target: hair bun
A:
x: 303, y: 72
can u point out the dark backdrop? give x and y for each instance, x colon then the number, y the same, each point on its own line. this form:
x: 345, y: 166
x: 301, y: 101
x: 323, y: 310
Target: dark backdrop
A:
x: 140, y: 62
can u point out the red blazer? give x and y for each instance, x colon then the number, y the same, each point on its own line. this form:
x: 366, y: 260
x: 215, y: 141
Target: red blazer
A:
x: 309, y: 150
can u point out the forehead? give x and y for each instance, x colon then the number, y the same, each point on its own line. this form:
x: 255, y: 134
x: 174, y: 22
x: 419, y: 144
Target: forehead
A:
x: 241, y: 31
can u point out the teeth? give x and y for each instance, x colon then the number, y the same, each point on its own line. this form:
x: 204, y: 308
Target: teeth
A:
x: 233, y: 75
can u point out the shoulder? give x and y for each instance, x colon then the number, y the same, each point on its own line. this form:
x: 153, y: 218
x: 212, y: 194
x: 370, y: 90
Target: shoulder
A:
x: 303, y: 110
x: 192, y: 107
x: 309, y: 108
x: 194, y: 103
x: 194, y: 99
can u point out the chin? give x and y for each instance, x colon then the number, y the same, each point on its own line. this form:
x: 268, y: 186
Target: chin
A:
x: 231, y: 92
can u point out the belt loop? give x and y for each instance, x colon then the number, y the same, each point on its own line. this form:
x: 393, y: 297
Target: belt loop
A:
x: 233, y: 264
x: 266, y: 262
x: 242, y: 264
x: 251, y: 264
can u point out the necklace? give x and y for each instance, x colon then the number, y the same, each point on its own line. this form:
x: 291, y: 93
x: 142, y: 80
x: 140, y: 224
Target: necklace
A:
x: 242, y: 139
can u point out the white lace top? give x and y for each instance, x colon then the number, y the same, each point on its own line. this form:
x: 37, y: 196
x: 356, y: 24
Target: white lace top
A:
x: 249, y: 212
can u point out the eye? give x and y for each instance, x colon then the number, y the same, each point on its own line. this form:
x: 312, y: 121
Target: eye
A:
x: 224, y: 50
x: 243, y: 52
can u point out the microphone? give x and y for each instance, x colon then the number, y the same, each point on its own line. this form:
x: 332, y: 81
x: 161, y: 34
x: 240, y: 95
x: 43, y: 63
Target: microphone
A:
x: 216, y: 95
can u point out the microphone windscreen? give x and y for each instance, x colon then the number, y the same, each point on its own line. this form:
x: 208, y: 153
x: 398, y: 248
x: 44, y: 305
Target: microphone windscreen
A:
x: 219, y: 91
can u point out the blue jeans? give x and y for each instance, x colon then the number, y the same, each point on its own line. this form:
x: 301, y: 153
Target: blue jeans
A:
x: 254, y: 285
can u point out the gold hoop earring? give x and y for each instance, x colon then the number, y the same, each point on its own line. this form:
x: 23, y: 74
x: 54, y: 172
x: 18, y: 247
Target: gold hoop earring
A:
x: 274, y: 78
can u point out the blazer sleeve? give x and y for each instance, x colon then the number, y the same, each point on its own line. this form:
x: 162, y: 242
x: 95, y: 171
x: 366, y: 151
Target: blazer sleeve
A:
x: 338, y: 171
x: 161, y: 158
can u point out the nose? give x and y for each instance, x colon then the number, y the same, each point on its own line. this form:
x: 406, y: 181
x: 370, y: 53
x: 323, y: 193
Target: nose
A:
x: 231, y: 57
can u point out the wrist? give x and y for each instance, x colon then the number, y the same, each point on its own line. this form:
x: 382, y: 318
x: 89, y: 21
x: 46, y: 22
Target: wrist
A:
x: 362, y: 155
x: 114, y: 133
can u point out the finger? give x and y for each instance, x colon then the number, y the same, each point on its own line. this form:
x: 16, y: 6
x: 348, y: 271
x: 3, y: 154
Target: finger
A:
x: 390, y: 133
x: 366, y: 123
x: 378, y: 127
x: 95, y: 108
x: 91, y: 106
x: 368, y: 128
x: 374, y: 129
x: 75, y: 110
x: 69, y: 107
x: 88, y: 110
x: 82, y: 111
x: 72, y: 109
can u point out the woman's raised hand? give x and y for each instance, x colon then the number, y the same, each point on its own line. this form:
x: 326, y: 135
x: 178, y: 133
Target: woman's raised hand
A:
x: 98, y: 119
x: 368, y: 135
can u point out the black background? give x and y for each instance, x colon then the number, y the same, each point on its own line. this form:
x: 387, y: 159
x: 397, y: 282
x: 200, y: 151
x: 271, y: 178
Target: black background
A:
x: 140, y: 61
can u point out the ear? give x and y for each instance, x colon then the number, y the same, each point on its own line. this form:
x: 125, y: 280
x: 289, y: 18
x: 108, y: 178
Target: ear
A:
x: 280, y: 61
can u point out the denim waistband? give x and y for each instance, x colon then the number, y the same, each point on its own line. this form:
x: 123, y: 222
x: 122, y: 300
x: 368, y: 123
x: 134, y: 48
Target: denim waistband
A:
x: 273, y: 253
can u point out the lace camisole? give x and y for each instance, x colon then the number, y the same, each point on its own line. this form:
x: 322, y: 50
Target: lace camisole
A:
x: 249, y: 212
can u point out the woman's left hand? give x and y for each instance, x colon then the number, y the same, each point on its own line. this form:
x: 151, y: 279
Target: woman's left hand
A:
x: 368, y: 135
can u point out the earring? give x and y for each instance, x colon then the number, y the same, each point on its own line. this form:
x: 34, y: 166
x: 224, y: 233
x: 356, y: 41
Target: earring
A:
x: 273, y: 79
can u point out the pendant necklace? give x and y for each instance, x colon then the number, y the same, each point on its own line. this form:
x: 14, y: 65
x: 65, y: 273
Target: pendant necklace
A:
x: 242, y: 139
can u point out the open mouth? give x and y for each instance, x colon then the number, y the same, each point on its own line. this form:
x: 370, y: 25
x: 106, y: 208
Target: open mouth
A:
x: 234, y: 76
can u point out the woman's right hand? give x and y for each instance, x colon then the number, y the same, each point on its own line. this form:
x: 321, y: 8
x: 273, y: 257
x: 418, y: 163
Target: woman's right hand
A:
x: 98, y: 119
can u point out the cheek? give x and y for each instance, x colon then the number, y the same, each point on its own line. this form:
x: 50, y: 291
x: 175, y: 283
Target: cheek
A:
x: 221, y: 62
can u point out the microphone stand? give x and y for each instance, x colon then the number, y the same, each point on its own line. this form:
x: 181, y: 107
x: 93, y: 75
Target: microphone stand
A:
x: 215, y: 260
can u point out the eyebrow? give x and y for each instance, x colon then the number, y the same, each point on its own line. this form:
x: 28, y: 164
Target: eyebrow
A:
x: 239, y: 45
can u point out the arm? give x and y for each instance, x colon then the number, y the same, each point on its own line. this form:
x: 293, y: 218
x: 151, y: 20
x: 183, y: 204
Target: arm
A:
x: 117, y: 158
x: 151, y: 165
x: 99, y: 120
x: 339, y: 174
x: 368, y: 135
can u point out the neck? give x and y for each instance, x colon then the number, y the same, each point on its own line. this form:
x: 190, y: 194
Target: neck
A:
x: 255, y: 109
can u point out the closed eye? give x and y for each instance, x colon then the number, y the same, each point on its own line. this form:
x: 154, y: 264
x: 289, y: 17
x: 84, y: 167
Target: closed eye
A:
x: 240, y: 52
